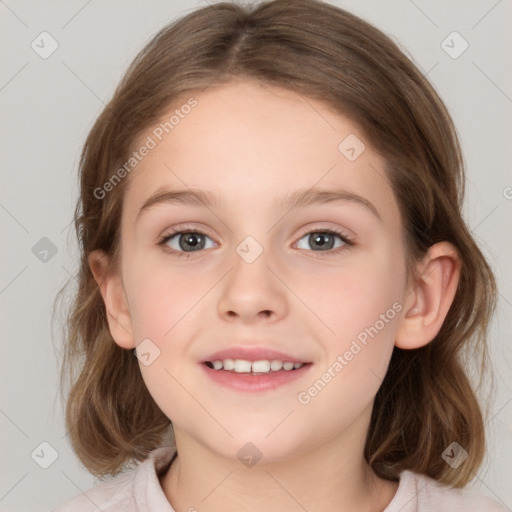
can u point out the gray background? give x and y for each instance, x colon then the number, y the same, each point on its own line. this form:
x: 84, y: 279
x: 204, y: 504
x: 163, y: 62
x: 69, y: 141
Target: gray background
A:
x: 49, y: 105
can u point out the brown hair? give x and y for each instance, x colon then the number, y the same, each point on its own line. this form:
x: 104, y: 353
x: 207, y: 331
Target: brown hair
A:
x: 320, y: 51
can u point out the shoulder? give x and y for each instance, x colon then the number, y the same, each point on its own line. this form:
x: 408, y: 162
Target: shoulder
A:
x: 109, y: 495
x: 124, y: 491
x: 419, y: 493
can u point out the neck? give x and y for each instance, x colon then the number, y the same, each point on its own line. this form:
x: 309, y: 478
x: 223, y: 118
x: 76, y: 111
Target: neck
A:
x: 331, y: 477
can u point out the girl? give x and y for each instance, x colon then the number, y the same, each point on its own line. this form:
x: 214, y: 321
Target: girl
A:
x: 276, y: 283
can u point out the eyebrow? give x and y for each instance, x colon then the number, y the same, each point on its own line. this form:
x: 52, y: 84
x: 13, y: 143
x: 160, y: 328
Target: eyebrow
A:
x: 297, y: 199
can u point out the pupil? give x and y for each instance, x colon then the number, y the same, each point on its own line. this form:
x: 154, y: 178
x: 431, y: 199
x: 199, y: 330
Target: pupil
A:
x: 193, y: 241
x: 318, y: 240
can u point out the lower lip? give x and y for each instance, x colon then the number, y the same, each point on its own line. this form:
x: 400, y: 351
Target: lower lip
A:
x: 255, y: 383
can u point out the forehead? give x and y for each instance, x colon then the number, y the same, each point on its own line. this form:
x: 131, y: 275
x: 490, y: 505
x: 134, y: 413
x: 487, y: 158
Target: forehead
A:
x: 251, y: 143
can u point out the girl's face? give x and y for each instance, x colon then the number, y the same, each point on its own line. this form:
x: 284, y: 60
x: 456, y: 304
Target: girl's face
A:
x: 266, y: 273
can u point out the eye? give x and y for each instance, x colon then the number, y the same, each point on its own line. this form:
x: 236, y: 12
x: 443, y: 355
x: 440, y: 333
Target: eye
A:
x: 324, y: 240
x: 186, y: 241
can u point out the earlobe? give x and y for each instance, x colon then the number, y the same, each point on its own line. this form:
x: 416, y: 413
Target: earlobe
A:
x: 112, y: 292
x: 429, y: 301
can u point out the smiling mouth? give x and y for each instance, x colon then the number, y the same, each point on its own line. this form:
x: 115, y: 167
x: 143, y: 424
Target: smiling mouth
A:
x: 261, y: 367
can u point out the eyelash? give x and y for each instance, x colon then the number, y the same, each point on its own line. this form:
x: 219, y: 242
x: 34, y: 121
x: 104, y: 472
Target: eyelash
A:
x: 347, y: 242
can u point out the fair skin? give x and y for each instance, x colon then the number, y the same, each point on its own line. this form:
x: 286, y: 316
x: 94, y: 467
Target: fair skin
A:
x: 252, y: 146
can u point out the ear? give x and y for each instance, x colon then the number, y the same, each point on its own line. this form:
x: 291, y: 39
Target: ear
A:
x: 430, y: 298
x: 116, y: 305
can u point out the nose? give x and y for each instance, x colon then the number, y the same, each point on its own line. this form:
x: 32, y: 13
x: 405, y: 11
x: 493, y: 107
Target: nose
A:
x: 252, y: 293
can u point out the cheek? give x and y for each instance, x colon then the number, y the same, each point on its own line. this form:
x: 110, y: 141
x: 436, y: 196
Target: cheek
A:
x: 353, y: 297
x: 158, y: 301
x: 364, y: 316
x: 162, y: 310
x: 362, y: 307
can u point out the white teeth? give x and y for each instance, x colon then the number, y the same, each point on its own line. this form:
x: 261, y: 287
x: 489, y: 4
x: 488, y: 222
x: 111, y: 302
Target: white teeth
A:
x: 228, y: 364
x: 242, y: 366
x: 276, y: 365
x: 262, y: 366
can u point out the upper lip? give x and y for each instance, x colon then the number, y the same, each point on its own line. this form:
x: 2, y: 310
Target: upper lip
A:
x: 253, y: 354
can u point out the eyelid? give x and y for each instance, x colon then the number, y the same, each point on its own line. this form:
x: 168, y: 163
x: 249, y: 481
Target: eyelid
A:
x: 303, y: 231
x: 322, y: 227
x: 186, y: 227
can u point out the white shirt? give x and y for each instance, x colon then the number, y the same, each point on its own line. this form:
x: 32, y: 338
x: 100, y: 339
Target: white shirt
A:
x: 139, y: 490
